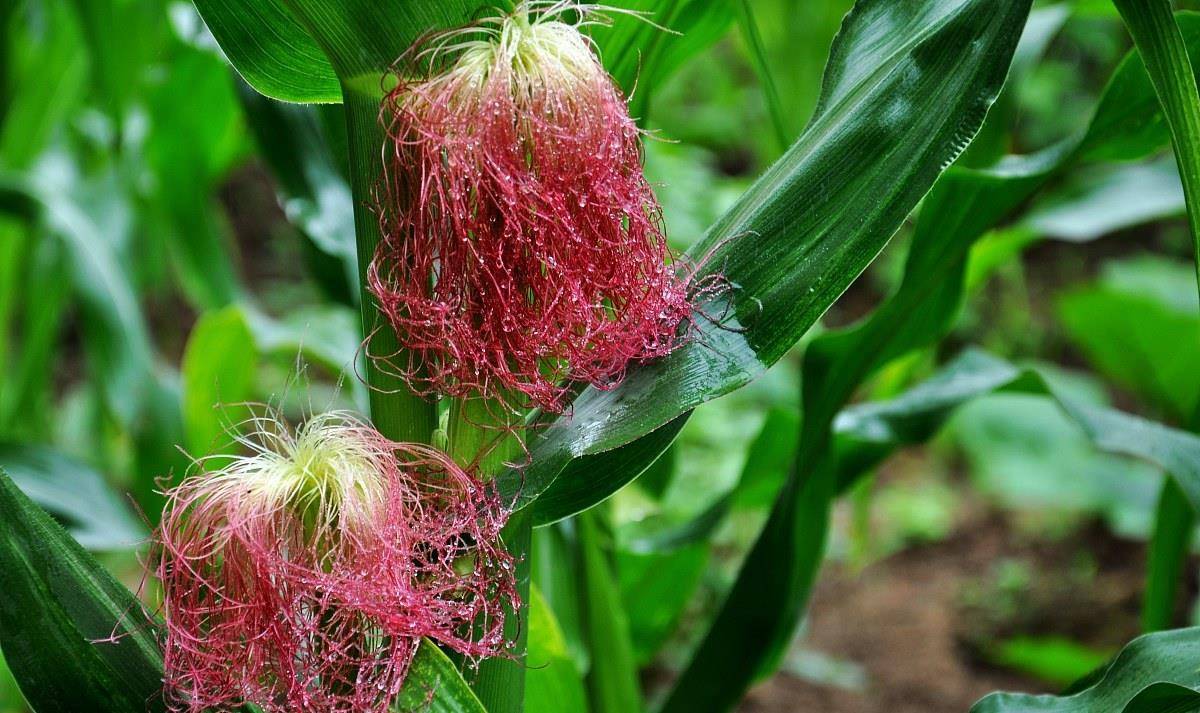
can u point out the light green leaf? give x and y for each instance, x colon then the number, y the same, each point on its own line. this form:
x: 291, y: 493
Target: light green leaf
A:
x: 552, y: 683
x: 218, y: 375
x: 77, y: 496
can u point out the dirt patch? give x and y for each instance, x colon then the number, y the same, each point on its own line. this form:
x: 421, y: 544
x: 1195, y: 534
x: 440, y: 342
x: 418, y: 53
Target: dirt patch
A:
x: 913, y: 622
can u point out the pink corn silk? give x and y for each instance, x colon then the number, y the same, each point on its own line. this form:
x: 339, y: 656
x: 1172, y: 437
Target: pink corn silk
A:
x: 259, y: 609
x: 522, y: 202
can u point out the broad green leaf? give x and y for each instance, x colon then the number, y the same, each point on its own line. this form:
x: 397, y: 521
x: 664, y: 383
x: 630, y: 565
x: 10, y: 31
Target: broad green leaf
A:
x: 1155, y: 673
x: 589, y: 480
x: 74, y: 637
x: 814, y: 221
x: 434, y: 685
x: 552, y: 683
x: 271, y: 50
x: 1139, y: 343
x: 1164, y: 698
x: 77, y: 496
x: 218, y: 375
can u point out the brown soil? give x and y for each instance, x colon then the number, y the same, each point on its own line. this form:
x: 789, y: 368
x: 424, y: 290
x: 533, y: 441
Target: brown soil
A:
x: 907, y: 622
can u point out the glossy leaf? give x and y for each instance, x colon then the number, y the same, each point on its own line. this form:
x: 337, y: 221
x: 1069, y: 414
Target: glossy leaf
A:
x: 74, y: 637
x: 1153, y: 674
x: 589, y: 480
x: 802, y: 233
x: 76, y: 495
x: 271, y: 49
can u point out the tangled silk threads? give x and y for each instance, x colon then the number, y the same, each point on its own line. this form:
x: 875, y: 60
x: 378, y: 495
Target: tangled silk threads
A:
x: 301, y: 577
x: 523, y: 246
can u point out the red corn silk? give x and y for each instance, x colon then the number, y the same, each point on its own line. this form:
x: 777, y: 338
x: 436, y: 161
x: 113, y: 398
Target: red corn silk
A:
x: 302, y: 577
x: 523, y: 247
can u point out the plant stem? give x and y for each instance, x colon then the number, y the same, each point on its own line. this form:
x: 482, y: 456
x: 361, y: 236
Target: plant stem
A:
x: 1174, y: 522
x: 482, y: 434
x: 398, y: 413
x: 500, y: 684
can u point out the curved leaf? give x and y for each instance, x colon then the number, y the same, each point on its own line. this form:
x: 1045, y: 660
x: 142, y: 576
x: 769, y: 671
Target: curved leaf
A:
x: 590, y: 479
x: 1153, y: 674
x: 271, y: 50
x: 362, y: 38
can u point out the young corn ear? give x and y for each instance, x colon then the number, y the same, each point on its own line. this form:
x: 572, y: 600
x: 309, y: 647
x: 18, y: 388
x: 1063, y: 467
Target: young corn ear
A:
x: 524, y: 247
x: 301, y: 577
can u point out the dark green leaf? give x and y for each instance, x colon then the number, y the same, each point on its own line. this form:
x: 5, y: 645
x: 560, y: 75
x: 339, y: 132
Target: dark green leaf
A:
x: 363, y: 39
x: 591, y: 479
x: 76, y: 495
x: 271, y: 50
x: 74, y: 637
